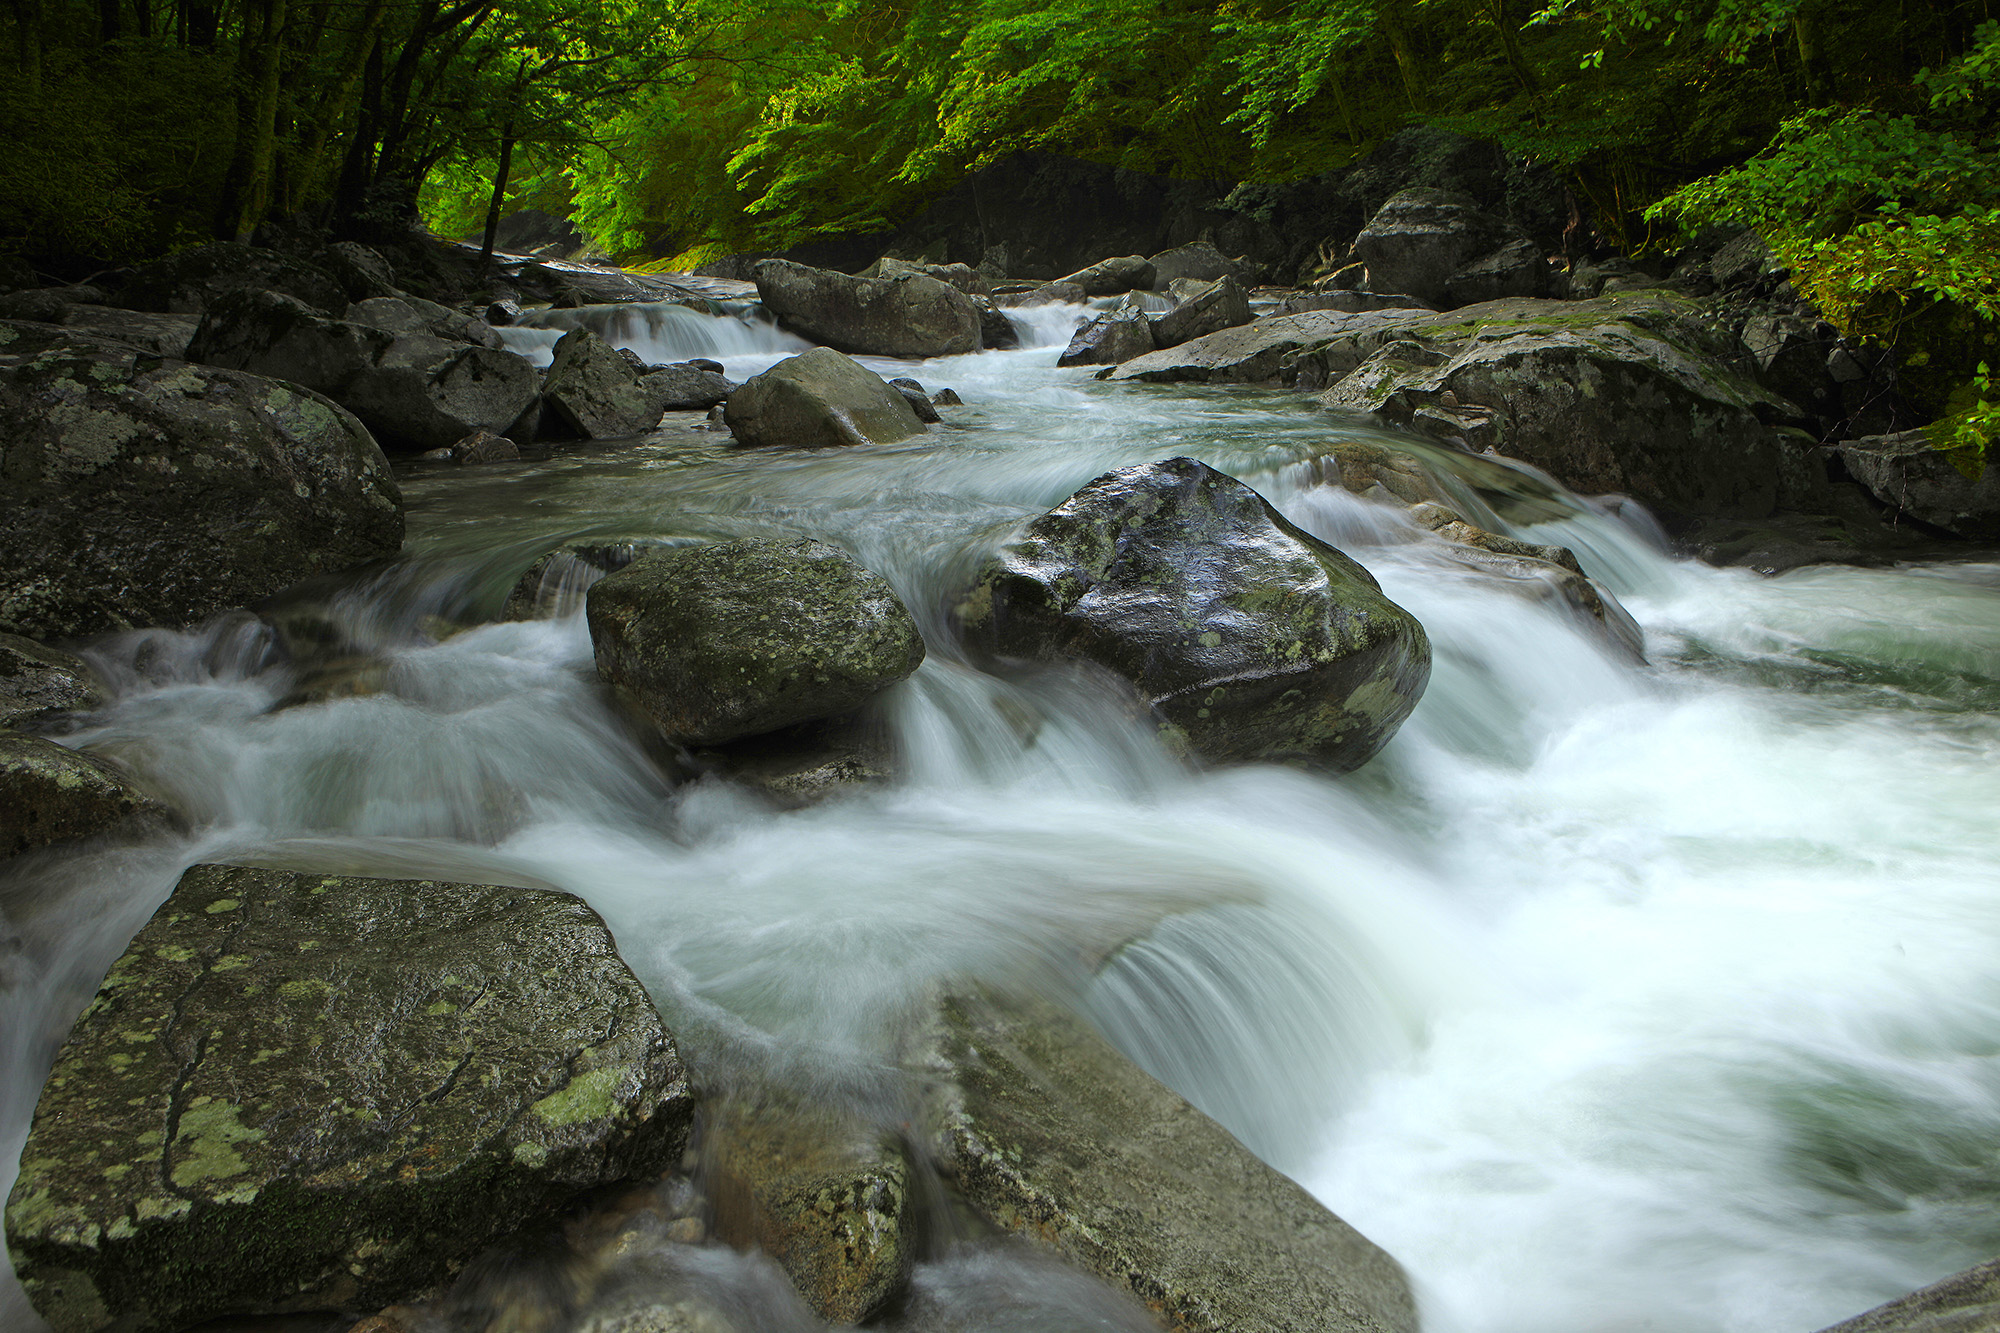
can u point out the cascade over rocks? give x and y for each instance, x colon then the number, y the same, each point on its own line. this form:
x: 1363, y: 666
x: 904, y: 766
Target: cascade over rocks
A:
x: 819, y: 399
x: 736, y: 639
x: 1051, y: 1134
x: 1439, y: 246
x: 299, y: 1092
x: 409, y: 387
x: 141, y: 492
x: 1250, y: 639
x: 908, y: 314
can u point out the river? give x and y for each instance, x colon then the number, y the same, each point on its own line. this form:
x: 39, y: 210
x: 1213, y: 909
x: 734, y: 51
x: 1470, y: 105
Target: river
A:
x: 1609, y: 996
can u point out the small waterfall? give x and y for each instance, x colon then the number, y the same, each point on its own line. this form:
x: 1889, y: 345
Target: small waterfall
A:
x: 658, y: 331
x: 1040, y: 326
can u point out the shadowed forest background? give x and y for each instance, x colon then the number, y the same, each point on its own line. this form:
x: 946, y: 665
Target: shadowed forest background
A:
x: 1857, y: 135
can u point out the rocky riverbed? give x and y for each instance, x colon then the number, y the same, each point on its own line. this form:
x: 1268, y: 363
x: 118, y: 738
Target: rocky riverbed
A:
x: 669, y: 849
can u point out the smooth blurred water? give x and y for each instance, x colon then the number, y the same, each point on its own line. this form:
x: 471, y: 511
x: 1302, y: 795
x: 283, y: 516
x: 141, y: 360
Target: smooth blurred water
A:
x: 1608, y: 996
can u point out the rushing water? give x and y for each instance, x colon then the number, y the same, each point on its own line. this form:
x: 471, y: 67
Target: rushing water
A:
x: 1609, y: 996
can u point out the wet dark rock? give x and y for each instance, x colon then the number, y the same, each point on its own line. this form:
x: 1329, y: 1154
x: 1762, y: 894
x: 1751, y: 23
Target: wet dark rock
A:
x: 1909, y: 474
x: 1220, y: 305
x: 299, y: 1092
x: 919, y: 401
x: 1110, y: 277
x: 819, y: 399
x: 483, y: 446
x: 1114, y: 337
x: 1440, y: 246
x: 501, y: 314
x: 556, y: 583
x: 411, y: 388
x: 599, y: 394
x: 361, y: 272
x: 806, y: 764
x: 40, y: 684
x: 50, y: 793
x: 413, y: 314
x: 947, y: 398
x: 141, y: 492
x: 162, y: 335
x: 735, y: 639
x: 1250, y: 639
x: 820, y: 1191
x: 1051, y: 1134
x: 189, y: 282
x: 909, y: 314
x: 996, y: 331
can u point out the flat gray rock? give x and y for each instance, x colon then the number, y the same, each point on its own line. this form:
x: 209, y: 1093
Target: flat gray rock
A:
x: 304, y: 1092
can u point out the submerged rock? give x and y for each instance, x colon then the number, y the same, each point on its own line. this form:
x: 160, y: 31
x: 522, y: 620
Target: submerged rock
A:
x: 819, y: 1191
x: 50, y: 793
x: 140, y: 492
x: 299, y: 1092
x: 906, y: 314
x: 736, y: 639
x: 1050, y: 1133
x: 1250, y: 639
x: 819, y: 399
x: 39, y: 684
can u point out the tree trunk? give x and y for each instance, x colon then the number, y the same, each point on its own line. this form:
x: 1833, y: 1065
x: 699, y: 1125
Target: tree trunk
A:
x: 499, y: 199
x: 247, y: 186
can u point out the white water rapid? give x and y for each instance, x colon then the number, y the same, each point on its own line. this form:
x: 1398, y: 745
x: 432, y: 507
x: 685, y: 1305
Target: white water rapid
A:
x: 1608, y: 997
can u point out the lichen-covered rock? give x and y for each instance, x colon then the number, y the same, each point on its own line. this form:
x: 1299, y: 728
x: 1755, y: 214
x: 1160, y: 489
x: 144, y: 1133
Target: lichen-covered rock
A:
x: 189, y: 282
x: 905, y: 314
x: 39, y: 684
x: 1114, y: 337
x: 1249, y: 638
x: 410, y: 388
x: 1051, y: 1134
x: 818, y: 1190
x: 816, y: 400
x: 141, y: 492
x: 1220, y: 305
x: 50, y: 793
x: 1110, y: 277
x: 737, y: 639
x: 304, y: 1092
x: 1912, y: 476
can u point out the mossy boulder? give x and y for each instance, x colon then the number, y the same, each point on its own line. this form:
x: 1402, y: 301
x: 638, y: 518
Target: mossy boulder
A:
x: 39, y: 684
x: 1249, y: 639
x: 1051, y: 1134
x: 738, y: 639
x: 140, y: 491
x: 50, y: 793
x: 819, y: 399
x: 819, y: 1190
x: 305, y: 1092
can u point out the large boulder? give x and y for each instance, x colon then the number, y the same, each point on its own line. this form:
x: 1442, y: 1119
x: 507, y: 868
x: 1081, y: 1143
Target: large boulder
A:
x: 819, y: 399
x: 50, y: 793
x: 143, y: 492
x: 1258, y: 352
x: 1200, y: 262
x: 1215, y: 306
x: 162, y: 335
x: 39, y: 684
x: 741, y: 638
x: 906, y: 314
x: 1250, y: 639
x: 1051, y: 1134
x: 968, y: 280
x: 411, y: 388
x: 300, y: 1092
x: 599, y: 394
x: 1112, y: 277
x: 1911, y: 475
x: 189, y: 282
x: 1440, y: 246
x: 413, y: 314
x: 1113, y: 337
x: 1627, y: 394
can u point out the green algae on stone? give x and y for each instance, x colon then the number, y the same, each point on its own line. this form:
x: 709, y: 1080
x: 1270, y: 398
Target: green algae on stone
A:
x: 351, y: 1138
x: 1248, y: 638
